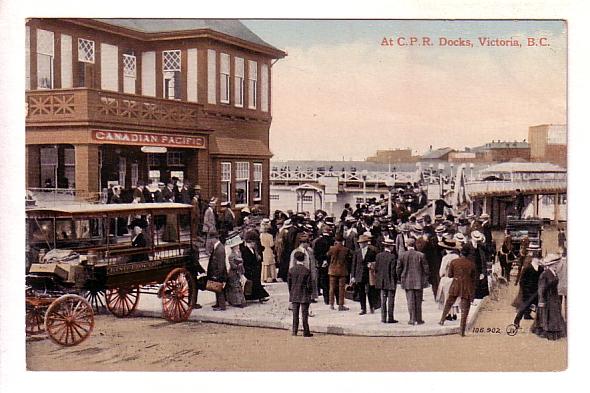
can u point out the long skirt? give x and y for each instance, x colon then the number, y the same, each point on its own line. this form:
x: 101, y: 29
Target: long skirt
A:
x: 442, y: 294
x: 233, y: 291
x: 269, y: 273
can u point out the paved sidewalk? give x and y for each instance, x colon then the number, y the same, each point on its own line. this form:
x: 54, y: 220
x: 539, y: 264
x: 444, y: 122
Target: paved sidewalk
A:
x: 275, y: 314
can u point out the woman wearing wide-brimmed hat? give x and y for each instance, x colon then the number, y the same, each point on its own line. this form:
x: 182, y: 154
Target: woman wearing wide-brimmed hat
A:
x: 234, y: 293
x: 451, y: 252
x: 549, y: 322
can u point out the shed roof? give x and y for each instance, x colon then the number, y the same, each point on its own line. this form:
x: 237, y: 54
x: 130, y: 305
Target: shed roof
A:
x: 97, y: 209
x: 239, y: 147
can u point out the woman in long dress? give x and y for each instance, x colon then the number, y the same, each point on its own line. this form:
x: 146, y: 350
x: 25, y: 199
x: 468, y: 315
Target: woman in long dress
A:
x: 269, y: 270
x: 451, y: 252
x: 549, y: 322
x: 253, y: 267
x: 233, y: 288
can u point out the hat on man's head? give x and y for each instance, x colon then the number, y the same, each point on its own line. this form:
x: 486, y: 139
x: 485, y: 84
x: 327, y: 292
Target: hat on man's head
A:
x: 418, y: 228
x: 459, y: 237
x: 287, y: 223
x: 448, y: 244
x: 363, y: 239
x: 388, y: 242
x: 477, y: 236
x: 405, y: 227
x: 246, y: 210
x: 440, y: 229
x: 233, y: 239
x: 470, y: 216
x: 265, y: 221
x: 484, y: 216
x: 225, y: 204
x: 438, y: 217
x: 213, y: 201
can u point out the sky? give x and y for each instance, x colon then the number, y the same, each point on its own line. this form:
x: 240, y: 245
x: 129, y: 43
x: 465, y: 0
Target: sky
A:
x: 340, y: 94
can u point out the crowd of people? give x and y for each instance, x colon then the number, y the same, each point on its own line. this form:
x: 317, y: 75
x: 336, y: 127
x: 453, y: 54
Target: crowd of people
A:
x: 364, y: 254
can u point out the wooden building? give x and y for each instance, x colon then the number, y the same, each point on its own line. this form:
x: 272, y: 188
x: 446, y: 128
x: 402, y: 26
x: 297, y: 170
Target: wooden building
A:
x: 129, y: 100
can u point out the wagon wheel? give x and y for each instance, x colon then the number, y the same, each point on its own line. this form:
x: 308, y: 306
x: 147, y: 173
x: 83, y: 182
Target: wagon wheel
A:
x: 69, y: 320
x: 178, y: 295
x: 122, y: 301
x: 96, y: 298
x: 34, y: 319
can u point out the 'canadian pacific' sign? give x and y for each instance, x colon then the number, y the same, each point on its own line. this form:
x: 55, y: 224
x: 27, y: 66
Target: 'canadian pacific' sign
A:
x: 148, y: 139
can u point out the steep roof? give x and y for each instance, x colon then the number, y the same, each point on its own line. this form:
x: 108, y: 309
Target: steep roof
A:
x: 231, y: 27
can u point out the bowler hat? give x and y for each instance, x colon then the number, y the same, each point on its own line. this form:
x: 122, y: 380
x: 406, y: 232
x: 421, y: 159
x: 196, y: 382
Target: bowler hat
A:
x: 388, y: 242
x: 363, y: 239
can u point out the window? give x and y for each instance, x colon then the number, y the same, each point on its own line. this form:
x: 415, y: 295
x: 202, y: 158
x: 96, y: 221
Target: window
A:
x: 306, y: 198
x: 224, y: 78
x: 225, y: 181
x: 70, y: 167
x: 257, y: 189
x: 122, y: 171
x: 242, y: 178
x: 85, y: 51
x: 153, y: 160
x: 134, y: 174
x: 239, y: 82
x: 252, y: 84
x: 171, y: 62
x: 264, y: 88
x: 45, y: 54
x: 49, y: 167
x: 174, y: 158
x: 129, y: 73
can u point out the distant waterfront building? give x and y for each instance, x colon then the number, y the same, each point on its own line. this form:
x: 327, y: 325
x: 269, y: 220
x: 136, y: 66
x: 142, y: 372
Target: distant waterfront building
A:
x: 441, y: 154
x: 495, y: 151
x: 393, y: 155
x: 549, y: 143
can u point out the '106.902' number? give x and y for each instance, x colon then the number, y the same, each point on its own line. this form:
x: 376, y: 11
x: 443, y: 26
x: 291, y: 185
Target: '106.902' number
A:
x: 486, y: 330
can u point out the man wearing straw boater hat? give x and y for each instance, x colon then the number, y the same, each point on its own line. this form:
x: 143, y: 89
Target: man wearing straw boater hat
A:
x: 386, y: 279
x: 462, y: 271
x: 478, y: 255
x: 210, y: 223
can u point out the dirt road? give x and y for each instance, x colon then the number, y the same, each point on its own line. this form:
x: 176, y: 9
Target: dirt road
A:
x: 150, y: 344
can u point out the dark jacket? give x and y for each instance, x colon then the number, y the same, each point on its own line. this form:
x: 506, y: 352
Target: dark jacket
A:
x: 216, y: 269
x: 360, y: 270
x: 137, y: 193
x: 462, y: 271
x: 412, y: 270
x: 385, y: 265
x: 299, y: 283
x: 338, y: 256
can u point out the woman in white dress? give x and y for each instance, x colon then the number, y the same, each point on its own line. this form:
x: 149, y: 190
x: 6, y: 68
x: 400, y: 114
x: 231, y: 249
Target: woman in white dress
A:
x: 269, y: 270
x: 451, y: 252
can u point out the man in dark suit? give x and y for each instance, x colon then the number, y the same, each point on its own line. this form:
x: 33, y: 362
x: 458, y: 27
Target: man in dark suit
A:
x: 462, y: 271
x: 412, y: 270
x: 386, y: 279
x: 216, y: 269
x: 300, y: 289
x: 360, y: 271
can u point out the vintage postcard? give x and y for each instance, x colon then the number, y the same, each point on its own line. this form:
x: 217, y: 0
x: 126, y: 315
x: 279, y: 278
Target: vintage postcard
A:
x: 224, y: 185
x: 239, y: 194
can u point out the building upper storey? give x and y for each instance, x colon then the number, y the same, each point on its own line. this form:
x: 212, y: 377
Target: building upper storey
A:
x: 219, y: 64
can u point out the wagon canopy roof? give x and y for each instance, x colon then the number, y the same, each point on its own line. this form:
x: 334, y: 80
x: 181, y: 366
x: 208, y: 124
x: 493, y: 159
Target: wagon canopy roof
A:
x: 104, y: 210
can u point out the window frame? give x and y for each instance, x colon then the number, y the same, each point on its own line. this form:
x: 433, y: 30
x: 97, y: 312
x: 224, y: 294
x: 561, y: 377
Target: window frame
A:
x: 257, y: 180
x: 91, y: 59
x: 252, y: 84
x: 239, y: 82
x: 242, y: 174
x: 224, y: 78
x: 225, y: 180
